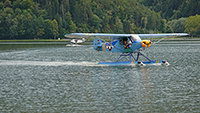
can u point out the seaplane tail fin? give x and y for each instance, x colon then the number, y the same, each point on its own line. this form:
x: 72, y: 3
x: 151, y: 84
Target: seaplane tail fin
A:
x: 97, y: 44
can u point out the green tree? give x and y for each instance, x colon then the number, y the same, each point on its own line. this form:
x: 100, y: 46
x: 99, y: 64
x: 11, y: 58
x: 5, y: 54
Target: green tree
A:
x: 48, y: 29
x: 82, y: 28
x: 41, y: 32
x: 61, y: 30
x: 198, y: 31
x: 30, y: 24
x: 121, y: 12
x: 105, y: 24
x: 133, y: 28
x: 72, y: 27
x: 169, y: 29
x: 8, y: 3
x: 127, y: 26
x: 8, y: 10
x: 1, y: 5
x: 95, y: 22
x: 118, y: 26
x: 55, y: 28
x: 55, y: 6
x: 192, y: 25
x: 18, y: 11
x: 17, y: 4
x: 27, y: 4
x: 163, y: 26
x: 178, y: 25
x: 144, y: 22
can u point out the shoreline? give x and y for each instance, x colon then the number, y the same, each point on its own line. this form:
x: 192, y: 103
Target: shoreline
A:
x: 35, y: 40
x: 68, y: 40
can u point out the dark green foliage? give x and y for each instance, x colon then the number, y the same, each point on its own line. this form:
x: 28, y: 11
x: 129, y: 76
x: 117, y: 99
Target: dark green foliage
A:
x: 193, y: 25
x: 173, y: 9
x: 178, y: 26
x: 176, y: 13
x: 28, y: 19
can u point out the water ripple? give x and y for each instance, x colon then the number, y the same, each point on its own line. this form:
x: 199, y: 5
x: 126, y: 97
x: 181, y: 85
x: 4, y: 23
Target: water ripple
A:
x: 56, y: 78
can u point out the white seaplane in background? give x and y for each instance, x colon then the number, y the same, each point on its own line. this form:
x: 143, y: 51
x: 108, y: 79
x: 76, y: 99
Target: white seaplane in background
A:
x: 75, y: 42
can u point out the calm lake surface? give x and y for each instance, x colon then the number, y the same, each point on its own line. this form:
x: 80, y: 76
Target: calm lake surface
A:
x: 50, y: 77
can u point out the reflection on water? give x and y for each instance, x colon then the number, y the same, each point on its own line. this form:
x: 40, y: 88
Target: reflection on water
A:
x: 146, y: 90
x: 55, y: 78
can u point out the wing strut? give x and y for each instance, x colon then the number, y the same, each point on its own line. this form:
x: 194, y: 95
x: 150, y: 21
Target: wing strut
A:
x: 123, y: 55
x: 159, y: 41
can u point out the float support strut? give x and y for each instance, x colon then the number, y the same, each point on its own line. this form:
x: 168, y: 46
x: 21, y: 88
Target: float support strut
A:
x: 142, y: 55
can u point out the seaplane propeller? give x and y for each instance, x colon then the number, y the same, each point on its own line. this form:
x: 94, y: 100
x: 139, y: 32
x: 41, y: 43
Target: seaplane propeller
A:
x: 146, y: 43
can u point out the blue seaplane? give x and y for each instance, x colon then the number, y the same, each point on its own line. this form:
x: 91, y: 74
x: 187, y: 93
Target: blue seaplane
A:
x: 127, y: 45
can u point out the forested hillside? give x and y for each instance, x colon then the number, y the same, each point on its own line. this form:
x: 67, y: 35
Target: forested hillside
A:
x: 28, y: 19
x: 181, y: 15
x: 173, y: 9
x: 48, y: 19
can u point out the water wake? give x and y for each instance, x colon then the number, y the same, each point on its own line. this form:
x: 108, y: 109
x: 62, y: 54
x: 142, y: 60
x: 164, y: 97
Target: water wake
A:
x: 46, y: 63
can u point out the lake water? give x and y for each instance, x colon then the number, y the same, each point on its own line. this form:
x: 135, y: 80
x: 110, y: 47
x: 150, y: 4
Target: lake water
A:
x: 50, y: 77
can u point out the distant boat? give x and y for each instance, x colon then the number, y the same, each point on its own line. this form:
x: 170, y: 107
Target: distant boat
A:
x: 75, y: 42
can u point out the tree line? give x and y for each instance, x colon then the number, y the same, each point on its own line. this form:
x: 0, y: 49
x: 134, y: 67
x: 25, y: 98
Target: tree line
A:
x: 181, y: 15
x: 48, y: 19
x: 173, y: 9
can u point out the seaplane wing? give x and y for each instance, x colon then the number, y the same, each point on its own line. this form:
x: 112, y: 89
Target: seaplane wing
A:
x: 162, y: 35
x: 118, y: 36
x: 94, y: 35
